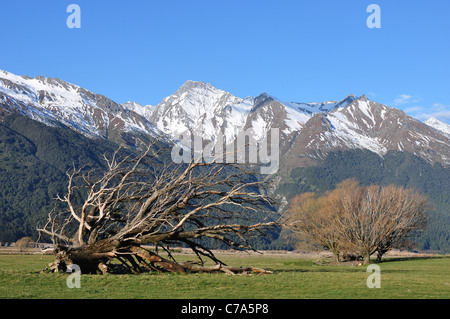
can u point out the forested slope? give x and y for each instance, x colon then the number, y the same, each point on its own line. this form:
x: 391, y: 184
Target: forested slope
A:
x: 399, y: 168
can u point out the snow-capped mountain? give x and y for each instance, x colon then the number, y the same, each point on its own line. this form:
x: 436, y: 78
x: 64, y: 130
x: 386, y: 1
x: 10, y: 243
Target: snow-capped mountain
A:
x: 203, y: 110
x: 289, y: 117
x: 364, y: 124
x: 55, y: 102
x: 308, y: 131
x: 143, y: 110
x: 438, y: 125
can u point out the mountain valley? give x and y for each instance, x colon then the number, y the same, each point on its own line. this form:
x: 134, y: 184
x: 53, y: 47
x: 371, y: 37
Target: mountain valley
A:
x: 48, y: 125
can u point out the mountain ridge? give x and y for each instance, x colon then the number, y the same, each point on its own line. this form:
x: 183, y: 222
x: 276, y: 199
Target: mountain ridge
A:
x: 438, y: 125
x: 307, y: 130
x: 55, y: 102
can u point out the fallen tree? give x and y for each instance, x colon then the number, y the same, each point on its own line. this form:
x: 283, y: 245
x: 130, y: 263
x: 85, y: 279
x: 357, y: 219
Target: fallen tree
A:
x: 138, y: 201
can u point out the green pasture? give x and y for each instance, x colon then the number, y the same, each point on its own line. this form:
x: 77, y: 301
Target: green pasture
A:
x: 292, y: 278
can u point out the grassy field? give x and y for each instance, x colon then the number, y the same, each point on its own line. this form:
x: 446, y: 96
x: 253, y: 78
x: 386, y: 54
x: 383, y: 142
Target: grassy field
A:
x: 293, y: 278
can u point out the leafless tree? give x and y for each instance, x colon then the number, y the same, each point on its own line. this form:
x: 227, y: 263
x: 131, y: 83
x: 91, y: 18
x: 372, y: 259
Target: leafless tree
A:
x: 23, y: 243
x: 141, y: 202
x: 312, y: 221
x: 359, y: 220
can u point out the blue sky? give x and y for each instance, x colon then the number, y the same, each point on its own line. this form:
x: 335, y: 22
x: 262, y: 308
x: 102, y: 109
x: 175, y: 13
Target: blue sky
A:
x: 295, y: 50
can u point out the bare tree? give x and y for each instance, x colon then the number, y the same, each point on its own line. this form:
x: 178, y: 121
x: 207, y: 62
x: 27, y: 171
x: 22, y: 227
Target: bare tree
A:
x: 139, y: 201
x: 311, y: 218
x: 24, y: 242
x: 407, y: 211
x: 359, y: 220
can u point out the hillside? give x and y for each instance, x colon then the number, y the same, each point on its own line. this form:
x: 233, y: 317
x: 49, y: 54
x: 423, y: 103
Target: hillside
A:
x: 34, y: 159
x: 399, y: 168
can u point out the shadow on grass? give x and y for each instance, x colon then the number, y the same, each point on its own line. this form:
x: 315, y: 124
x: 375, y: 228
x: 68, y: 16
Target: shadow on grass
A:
x: 306, y: 266
x: 396, y: 259
x: 311, y: 267
x: 318, y: 270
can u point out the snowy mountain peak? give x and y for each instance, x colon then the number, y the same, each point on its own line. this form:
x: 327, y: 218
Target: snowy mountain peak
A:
x: 346, y: 101
x: 363, y: 98
x: 364, y: 124
x: 190, y: 85
x: 199, y: 95
x: 27, y: 88
x: 200, y: 108
x: 56, y: 102
x: 144, y: 110
x: 195, y: 106
x: 199, y: 92
x: 438, y: 125
x: 307, y: 130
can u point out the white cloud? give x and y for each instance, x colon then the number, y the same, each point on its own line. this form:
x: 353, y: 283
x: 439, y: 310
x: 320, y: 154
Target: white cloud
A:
x: 413, y: 109
x: 437, y: 110
x: 405, y: 99
x: 413, y: 105
x: 443, y: 116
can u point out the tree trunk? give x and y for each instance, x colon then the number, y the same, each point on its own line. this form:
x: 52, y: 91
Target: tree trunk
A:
x: 366, y: 257
x: 90, y: 258
x: 95, y: 258
x: 337, y: 257
x: 380, y: 254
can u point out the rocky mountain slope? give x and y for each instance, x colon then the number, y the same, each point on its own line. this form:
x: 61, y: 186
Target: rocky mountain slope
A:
x: 438, y: 125
x: 308, y: 131
x: 364, y: 124
x: 57, y: 103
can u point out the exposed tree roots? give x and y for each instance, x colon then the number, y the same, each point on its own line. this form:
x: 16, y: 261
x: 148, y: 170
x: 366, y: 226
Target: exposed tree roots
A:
x: 98, y: 258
